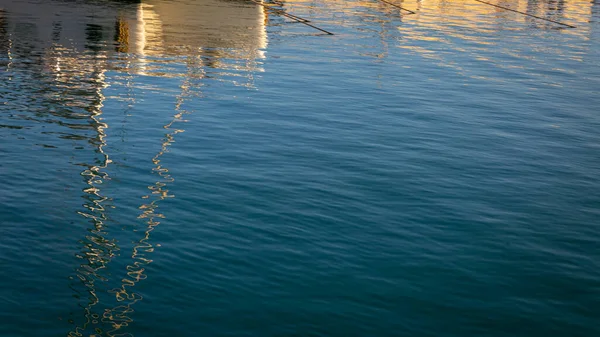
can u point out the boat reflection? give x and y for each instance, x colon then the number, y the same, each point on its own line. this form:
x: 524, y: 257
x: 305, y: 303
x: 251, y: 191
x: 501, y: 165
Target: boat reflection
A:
x: 119, y: 316
x: 226, y: 34
x: 61, y: 57
x: 64, y: 54
x: 576, y: 10
x: 216, y: 29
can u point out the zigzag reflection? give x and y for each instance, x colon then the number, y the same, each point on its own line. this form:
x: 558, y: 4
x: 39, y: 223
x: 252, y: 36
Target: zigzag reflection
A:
x: 119, y: 317
x: 97, y: 249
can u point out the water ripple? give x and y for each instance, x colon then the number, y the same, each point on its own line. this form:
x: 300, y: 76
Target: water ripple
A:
x: 213, y: 166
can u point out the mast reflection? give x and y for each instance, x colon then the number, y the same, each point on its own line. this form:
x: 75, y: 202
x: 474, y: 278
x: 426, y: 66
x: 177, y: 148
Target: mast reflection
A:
x: 231, y: 35
x: 69, y: 66
x: 119, y: 316
x: 67, y: 82
x: 97, y: 246
x: 4, y: 39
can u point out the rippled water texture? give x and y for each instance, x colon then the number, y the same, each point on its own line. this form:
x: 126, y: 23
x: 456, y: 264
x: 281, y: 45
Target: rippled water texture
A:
x: 215, y: 168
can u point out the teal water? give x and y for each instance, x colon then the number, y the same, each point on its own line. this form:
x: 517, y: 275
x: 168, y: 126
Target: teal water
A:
x: 208, y: 168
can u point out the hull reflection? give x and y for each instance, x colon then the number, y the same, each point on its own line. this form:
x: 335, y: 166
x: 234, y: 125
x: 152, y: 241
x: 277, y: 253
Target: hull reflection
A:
x: 70, y: 52
x: 212, y: 28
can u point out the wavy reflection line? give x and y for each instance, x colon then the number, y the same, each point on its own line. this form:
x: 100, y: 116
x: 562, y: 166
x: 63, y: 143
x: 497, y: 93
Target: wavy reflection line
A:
x: 97, y: 249
x: 6, y: 43
x: 119, y: 316
x: 75, y: 90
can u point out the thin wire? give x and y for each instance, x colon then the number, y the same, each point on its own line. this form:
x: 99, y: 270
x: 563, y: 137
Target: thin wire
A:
x: 397, y: 6
x: 293, y: 17
x: 534, y: 16
x: 315, y: 27
x: 280, y: 12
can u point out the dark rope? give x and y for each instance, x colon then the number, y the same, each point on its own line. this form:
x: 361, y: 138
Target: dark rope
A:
x: 284, y: 13
x: 293, y: 17
x: 397, y: 6
x: 280, y: 12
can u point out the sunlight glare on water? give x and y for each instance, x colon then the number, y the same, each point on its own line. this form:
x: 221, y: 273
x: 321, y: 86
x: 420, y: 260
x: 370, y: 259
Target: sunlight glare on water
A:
x: 217, y: 168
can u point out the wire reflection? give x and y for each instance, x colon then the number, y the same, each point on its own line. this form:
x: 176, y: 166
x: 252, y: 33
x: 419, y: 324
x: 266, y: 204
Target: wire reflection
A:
x: 97, y: 248
x: 119, y: 316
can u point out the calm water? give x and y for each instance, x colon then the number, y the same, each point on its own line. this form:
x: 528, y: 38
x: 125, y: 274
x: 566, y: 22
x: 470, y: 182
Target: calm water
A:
x: 210, y: 168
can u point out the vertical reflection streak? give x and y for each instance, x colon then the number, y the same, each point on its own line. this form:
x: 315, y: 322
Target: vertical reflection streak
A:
x: 119, y: 316
x: 5, y: 39
x: 97, y: 250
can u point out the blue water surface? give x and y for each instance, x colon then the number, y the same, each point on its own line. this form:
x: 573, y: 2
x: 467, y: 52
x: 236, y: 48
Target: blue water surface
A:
x: 214, y: 168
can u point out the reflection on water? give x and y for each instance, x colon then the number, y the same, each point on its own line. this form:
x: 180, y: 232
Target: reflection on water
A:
x: 119, y: 316
x: 553, y: 9
x: 147, y: 29
x: 4, y: 40
x: 162, y: 29
x: 97, y: 246
x: 77, y: 74
x: 62, y: 53
x: 490, y: 35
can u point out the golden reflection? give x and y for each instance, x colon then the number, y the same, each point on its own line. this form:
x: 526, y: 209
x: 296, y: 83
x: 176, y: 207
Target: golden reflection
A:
x: 70, y: 86
x: 469, y: 12
x: 389, y: 8
x: 480, y: 33
x: 238, y: 25
x: 447, y: 15
x: 445, y: 28
x: 78, y: 53
x: 97, y: 248
x: 122, y: 35
x: 75, y: 82
x: 204, y: 36
x: 231, y: 34
x: 5, y: 40
x: 119, y: 316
